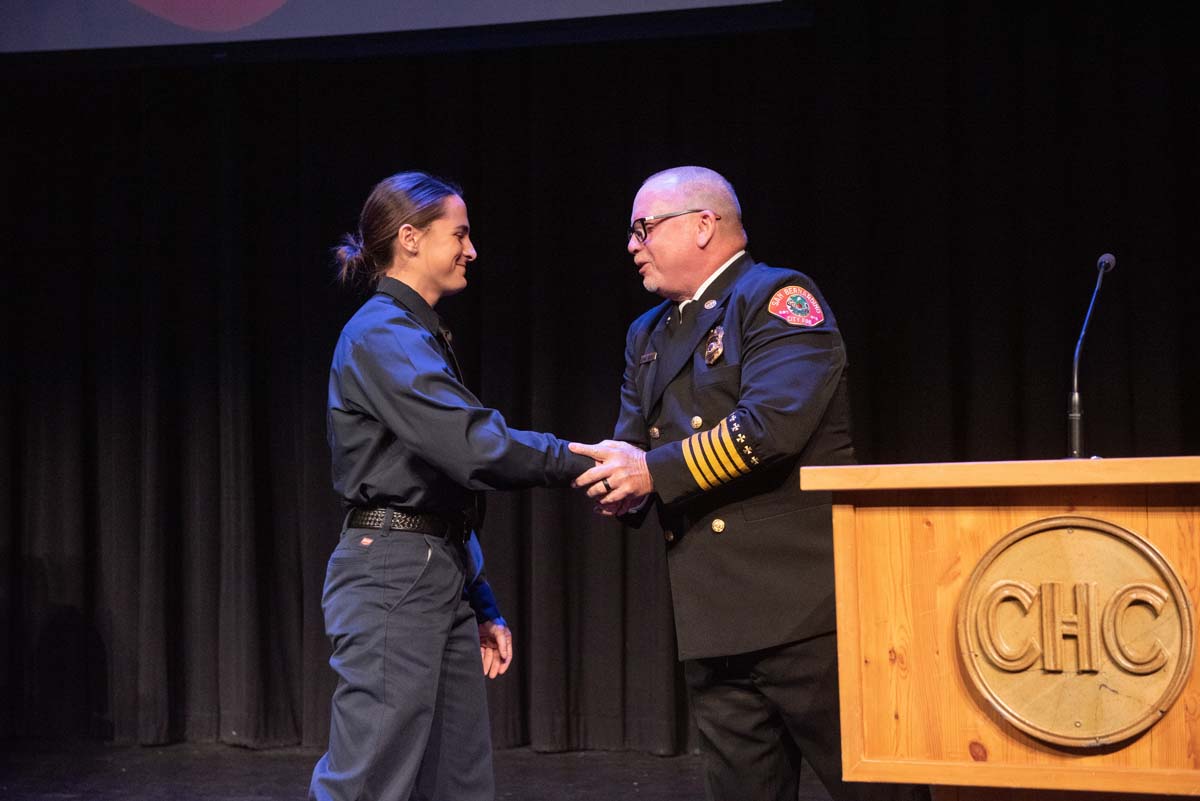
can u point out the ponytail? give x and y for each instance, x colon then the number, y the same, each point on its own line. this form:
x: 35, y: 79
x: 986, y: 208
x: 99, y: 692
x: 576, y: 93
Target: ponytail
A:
x: 354, y: 266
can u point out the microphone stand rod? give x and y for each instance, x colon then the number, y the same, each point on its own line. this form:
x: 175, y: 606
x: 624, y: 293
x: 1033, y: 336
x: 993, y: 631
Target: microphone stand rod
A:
x: 1074, y: 408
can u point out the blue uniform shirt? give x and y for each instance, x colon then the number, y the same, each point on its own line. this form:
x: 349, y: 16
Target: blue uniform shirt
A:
x: 405, y: 432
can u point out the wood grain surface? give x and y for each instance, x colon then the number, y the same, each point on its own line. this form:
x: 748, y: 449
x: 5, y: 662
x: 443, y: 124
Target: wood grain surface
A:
x: 909, y: 712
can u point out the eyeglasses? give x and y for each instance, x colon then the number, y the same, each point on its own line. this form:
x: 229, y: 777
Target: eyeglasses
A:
x: 639, y: 231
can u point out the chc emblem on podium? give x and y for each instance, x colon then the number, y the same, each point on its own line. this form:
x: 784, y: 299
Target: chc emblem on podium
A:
x: 1078, y: 632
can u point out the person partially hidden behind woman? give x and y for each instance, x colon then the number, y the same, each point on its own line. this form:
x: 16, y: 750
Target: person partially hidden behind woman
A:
x: 407, y: 606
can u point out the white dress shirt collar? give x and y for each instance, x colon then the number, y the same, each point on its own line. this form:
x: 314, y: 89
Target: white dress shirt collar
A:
x: 708, y: 281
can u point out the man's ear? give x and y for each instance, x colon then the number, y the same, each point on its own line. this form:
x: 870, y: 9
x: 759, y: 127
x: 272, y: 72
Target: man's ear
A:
x: 407, y: 238
x: 706, y: 228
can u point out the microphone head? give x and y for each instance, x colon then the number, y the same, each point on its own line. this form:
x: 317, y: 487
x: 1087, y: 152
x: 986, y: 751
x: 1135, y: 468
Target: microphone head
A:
x: 1106, y: 262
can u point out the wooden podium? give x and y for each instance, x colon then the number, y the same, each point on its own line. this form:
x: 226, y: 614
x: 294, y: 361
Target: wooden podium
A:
x: 1001, y: 625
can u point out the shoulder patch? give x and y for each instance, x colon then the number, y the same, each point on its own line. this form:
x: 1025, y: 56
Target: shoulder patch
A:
x: 797, y: 306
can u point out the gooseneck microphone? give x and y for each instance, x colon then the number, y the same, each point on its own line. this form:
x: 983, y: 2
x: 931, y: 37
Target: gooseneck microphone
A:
x: 1074, y: 409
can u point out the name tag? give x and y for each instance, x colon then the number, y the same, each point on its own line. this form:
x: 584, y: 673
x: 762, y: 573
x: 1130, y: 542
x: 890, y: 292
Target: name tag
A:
x: 648, y: 357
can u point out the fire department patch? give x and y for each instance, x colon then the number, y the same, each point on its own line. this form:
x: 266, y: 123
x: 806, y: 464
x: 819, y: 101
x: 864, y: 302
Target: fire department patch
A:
x: 797, y: 306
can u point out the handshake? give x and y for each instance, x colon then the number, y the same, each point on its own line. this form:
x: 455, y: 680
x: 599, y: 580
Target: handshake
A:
x: 620, y: 481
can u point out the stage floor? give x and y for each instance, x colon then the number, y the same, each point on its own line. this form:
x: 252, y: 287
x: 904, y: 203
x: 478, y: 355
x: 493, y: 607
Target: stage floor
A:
x: 190, y: 772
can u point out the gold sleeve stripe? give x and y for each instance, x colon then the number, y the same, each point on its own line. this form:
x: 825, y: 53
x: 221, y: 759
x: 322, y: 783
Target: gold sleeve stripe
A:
x: 718, y: 447
x: 691, y: 465
x: 697, y: 446
x: 710, y: 450
x: 732, y: 448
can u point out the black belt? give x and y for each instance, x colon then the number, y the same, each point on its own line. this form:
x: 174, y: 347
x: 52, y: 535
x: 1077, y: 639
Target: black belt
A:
x: 418, y: 522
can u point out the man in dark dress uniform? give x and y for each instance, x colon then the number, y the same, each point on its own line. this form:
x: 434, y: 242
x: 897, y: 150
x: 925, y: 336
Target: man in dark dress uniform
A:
x: 730, y: 385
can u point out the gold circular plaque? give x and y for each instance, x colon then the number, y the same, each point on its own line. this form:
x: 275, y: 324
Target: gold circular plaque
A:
x: 1078, y: 632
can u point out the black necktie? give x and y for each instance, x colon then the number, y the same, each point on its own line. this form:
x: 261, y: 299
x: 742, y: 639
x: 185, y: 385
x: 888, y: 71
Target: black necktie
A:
x: 446, y: 338
x: 683, y: 320
x: 477, y: 509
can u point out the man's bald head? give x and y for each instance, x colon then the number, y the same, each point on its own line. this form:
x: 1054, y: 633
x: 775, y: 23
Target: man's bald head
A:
x: 700, y: 188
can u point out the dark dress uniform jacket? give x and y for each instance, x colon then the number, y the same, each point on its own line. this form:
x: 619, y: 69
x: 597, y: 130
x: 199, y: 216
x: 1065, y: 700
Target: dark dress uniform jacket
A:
x: 750, y: 555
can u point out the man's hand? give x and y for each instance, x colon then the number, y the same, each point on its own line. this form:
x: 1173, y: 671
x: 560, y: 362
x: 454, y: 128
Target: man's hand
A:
x: 620, y: 480
x: 495, y: 647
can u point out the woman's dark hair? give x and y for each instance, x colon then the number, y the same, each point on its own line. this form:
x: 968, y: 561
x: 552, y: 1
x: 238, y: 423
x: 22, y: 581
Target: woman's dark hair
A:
x: 414, y: 198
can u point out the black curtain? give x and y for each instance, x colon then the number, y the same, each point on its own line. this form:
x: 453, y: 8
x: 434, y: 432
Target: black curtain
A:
x: 948, y: 173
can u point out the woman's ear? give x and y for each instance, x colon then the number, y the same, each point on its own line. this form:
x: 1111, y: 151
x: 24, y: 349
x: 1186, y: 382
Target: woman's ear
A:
x: 407, y: 238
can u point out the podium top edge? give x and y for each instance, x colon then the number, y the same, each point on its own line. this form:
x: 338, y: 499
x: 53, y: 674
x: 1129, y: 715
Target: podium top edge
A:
x: 1032, y: 473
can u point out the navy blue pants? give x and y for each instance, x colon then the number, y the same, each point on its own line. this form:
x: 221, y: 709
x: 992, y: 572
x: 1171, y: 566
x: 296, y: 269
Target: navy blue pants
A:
x: 759, y: 712
x: 410, y: 712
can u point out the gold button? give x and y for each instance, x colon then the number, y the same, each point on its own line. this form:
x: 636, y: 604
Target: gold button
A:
x: 654, y: 432
x: 718, y: 526
x: 669, y: 536
x: 697, y: 422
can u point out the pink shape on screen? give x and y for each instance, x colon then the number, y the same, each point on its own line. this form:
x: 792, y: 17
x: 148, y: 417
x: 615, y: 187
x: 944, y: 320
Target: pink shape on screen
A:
x: 214, y: 15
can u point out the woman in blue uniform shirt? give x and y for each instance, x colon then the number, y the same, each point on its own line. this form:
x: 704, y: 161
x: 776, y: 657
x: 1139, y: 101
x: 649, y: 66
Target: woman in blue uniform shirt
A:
x: 413, y: 622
